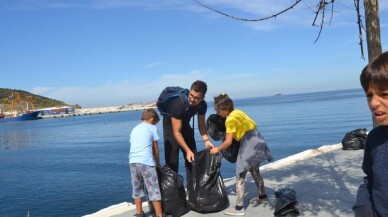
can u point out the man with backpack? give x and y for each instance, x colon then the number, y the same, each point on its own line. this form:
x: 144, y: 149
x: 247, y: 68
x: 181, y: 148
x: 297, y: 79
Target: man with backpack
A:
x: 177, y: 131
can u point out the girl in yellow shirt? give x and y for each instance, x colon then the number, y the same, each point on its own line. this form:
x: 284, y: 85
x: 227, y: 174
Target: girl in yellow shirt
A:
x: 253, y: 149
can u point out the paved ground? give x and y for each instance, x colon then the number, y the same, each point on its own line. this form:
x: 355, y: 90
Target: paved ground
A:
x: 325, y: 181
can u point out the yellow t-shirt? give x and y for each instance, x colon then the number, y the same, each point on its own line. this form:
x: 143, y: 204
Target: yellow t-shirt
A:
x: 239, y: 123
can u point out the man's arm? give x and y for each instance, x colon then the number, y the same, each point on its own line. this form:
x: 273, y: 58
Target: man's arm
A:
x: 176, y: 128
x: 203, y: 132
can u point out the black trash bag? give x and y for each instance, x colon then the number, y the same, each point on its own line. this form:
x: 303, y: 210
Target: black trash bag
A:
x: 173, y: 193
x: 215, y: 126
x: 355, y: 139
x: 207, y: 192
x: 231, y: 153
x: 286, y: 204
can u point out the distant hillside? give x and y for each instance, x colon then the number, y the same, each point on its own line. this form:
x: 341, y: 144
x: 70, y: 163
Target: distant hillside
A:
x: 38, y: 101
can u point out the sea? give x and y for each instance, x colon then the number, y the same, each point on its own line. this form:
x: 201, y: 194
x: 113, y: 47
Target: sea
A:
x: 79, y: 165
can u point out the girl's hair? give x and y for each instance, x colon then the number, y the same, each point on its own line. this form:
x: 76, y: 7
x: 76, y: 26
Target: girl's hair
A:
x: 150, y: 113
x: 375, y: 74
x: 223, y: 102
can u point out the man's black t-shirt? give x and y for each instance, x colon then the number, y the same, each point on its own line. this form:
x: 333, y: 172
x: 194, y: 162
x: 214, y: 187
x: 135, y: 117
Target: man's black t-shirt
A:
x: 177, y: 110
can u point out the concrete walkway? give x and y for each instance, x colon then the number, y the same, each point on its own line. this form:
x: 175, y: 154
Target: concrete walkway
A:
x: 325, y: 181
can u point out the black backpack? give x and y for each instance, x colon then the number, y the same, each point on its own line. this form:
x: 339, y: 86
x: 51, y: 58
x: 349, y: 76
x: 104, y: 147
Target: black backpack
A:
x: 170, y: 93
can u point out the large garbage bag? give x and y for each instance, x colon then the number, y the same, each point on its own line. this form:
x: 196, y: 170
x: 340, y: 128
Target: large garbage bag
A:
x: 215, y: 126
x: 173, y: 193
x: 286, y: 204
x: 355, y: 139
x: 207, y: 192
x: 231, y: 153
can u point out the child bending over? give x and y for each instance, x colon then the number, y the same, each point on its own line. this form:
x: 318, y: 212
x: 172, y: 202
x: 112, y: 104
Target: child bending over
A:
x: 253, y: 149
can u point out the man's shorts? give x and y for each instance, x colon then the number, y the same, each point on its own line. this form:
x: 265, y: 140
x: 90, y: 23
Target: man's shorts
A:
x: 141, y: 175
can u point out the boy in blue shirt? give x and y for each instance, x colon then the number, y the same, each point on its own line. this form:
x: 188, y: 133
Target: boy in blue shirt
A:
x: 143, y: 157
x: 372, y: 195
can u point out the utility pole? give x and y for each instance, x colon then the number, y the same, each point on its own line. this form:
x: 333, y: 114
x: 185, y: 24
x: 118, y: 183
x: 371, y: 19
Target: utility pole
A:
x: 373, y: 38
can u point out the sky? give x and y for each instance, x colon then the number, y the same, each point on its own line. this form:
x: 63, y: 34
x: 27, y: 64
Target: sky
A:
x: 98, y: 53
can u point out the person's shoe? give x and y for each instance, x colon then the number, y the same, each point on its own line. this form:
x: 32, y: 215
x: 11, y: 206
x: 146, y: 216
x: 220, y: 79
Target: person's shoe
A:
x: 140, y: 215
x: 233, y: 211
x: 257, y: 200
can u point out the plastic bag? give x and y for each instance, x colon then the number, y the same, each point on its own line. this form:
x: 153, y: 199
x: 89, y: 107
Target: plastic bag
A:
x: 173, y: 193
x: 231, y: 153
x: 207, y: 192
x: 355, y: 139
x: 215, y: 126
x: 286, y: 204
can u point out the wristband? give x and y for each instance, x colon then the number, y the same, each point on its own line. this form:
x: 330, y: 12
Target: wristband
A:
x: 206, y: 140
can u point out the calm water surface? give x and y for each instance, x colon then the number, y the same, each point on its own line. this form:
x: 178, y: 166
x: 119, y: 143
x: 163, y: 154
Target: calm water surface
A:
x: 79, y: 165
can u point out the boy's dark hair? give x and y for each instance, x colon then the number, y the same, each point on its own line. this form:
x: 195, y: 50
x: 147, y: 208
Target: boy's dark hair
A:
x: 375, y: 74
x: 199, y: 86
x: 150, y: 113
x: 223, y: 102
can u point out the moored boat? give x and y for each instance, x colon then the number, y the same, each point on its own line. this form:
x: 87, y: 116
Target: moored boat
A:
x: 27, y: 116
x: 22, y: 111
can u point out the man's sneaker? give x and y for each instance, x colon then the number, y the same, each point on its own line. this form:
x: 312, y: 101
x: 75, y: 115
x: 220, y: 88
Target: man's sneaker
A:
x: 233, y: 211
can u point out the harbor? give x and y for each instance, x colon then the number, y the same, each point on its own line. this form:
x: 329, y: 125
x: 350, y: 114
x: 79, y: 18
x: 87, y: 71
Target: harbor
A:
x: 79, y: 166
x: 62, y: 112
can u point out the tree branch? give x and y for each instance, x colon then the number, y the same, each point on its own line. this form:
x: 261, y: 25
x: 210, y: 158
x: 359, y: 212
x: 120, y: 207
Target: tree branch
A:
x: 321, y: 11
x: 360, y: 26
